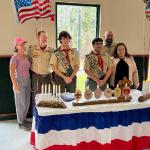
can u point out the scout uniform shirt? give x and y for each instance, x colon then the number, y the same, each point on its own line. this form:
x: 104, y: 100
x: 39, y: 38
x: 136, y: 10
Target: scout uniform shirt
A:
x: 40, y: 59
x: 73, y: 57
x: 109, y: 49
x: 106, y: 62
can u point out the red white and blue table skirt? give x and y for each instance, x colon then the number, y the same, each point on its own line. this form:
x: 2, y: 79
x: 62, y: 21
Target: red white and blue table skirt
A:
x: 124, y: 126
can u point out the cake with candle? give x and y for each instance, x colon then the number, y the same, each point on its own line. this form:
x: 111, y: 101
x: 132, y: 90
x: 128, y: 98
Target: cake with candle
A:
x: 48, y: 99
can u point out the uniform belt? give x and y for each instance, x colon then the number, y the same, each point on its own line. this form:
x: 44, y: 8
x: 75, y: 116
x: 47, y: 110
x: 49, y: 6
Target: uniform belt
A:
x: 42, y: 75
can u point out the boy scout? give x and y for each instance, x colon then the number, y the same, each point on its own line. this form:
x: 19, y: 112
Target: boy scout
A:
x: 97, y: 66
x: 39, y: 57
x: 65, y: 64
x: 108, y: 45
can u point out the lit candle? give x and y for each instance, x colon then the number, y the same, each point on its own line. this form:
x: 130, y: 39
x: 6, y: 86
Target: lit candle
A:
x: 45, y: 88
x: 97, y: 86
x: 42, y: 89
x: 49, y: 88
x: 107, y: 86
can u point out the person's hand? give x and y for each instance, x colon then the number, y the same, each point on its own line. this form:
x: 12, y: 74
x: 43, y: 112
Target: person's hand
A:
x: 16, y: 88
x: 101, y: 83
x: 136, y: 86
x: 67, y: 80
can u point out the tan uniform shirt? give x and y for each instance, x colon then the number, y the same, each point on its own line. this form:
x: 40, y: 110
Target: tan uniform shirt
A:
x: 110, y: 49
x: 74, y: 60
x: 106, y: 65
x: 40, y: 59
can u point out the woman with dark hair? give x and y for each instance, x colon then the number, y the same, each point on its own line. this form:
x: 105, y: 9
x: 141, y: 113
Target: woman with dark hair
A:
x: 123, y: 66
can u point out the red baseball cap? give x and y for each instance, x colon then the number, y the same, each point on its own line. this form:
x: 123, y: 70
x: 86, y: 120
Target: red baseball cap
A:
x: 18, y: 41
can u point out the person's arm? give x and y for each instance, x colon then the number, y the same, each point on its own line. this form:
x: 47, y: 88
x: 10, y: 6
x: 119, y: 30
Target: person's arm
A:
x: 135, y: 75
x: 108, y: 72
x: 136, y: 79
x: 76, y: 68
x: 92, y: 76
x: 54, y: 65
x: 16, y: 87
x: 88, y: 70
x: 29, y: 53
x: 56, y: 70
x: 99, y: 82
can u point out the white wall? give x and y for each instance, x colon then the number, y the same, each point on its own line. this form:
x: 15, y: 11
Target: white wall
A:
x: 124, y: 17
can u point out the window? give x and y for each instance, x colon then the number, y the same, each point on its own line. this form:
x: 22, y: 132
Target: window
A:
x: 81, y: 21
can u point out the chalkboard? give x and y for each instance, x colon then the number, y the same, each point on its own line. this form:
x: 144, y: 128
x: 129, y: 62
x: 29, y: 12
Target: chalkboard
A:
x: 7, y: 104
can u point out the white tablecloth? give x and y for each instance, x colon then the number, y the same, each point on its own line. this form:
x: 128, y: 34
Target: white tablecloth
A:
x: 134, y: 104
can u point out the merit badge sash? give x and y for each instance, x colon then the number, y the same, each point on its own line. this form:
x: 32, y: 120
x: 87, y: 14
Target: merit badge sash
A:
x: 63, y: 61
x: 98, y: 72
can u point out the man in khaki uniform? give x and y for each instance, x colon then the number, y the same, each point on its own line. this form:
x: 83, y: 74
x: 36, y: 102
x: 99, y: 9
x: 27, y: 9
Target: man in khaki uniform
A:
x: 65, y: 64
x: 97, y: 66
x: 39, y: 57
x: 108, y: 45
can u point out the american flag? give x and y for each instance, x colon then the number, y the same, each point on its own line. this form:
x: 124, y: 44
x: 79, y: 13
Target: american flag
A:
x: 27, y: 9
x: 147, y: 10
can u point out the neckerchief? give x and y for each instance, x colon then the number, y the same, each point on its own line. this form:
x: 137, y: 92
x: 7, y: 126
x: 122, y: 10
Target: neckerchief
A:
x: 100, y: 60
x: 66, y: 51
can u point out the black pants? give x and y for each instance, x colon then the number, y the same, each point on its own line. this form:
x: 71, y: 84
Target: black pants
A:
x: 71, y: 87
x: 92, y: 85
x: 37, y: 81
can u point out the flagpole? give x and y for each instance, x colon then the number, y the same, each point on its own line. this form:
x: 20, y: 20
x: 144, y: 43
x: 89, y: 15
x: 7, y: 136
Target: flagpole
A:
x: 146, y: 44
x: 37, y: 43
x: 41, y: 20
x: 15, y: 10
